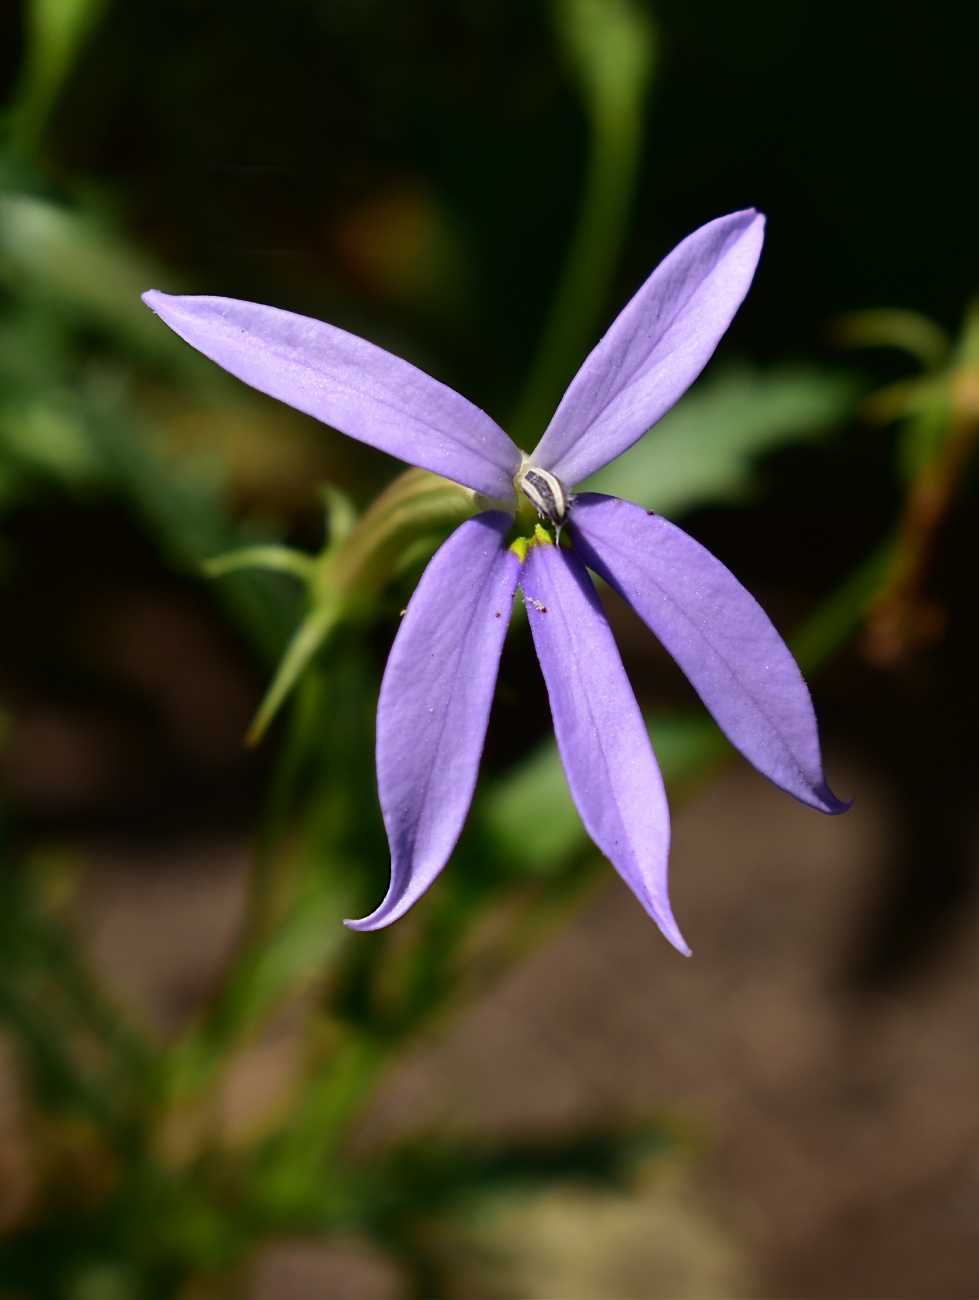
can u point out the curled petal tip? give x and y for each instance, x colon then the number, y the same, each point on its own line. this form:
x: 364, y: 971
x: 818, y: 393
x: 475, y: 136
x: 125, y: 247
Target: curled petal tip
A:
x: 391, y: 908
x: 376, y: 921
x: 827, y: 802
x: 670, y: 929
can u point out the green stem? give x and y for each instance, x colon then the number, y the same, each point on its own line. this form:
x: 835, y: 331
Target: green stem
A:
x: 587, y: 275
x: 57, y: 31
x: 834, y: 620
x: 609, y: 46
x: 292, y: 1173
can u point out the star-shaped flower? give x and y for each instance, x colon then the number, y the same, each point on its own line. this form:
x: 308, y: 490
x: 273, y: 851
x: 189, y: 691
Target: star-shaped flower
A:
x: 440, y: 677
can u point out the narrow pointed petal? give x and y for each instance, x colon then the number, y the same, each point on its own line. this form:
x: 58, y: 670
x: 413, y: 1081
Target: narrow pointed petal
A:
x: 655, y: 348
x: 435, y: 703
x: 718, y: 634
x: 611, y: 769
x: 350, y: 384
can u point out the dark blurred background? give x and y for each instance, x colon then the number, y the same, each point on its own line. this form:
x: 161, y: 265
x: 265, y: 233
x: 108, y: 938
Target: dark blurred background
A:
x: 267, y: 151
x: 410, y: 170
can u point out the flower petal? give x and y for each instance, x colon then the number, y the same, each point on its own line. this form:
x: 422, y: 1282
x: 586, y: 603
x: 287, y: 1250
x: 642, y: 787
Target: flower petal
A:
x: 718, y: 634
x: 612, y: 771
x: 654, y: 349
x: 350, y: 384
x: 435, y: 703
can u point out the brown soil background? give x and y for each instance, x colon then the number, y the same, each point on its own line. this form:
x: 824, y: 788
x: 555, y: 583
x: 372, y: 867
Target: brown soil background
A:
x: 832, y: 1137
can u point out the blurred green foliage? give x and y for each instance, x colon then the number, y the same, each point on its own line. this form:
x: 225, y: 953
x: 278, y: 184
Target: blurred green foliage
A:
x: 705, y: 449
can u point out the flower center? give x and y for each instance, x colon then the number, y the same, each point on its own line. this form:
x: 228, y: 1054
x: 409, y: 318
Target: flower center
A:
x: 546, y: 493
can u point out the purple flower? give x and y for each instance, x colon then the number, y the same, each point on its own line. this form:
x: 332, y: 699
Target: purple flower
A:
x: 440, y: 678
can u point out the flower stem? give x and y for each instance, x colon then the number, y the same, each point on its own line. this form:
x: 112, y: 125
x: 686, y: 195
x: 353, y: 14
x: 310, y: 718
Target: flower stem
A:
x: 56, y: 33
x: 897, y: 620
x: 609, y: 45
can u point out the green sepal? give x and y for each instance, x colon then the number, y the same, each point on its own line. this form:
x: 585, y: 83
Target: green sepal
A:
x: 358, y: 560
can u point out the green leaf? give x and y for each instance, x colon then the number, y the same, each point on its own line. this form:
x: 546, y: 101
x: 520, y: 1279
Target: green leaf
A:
x: 895, y: 328
x: 309, y: 938
x: 184, y: 505
x: 305, y: 642
x: 703, y: 450
x: 277, y: 559
x: 50, y: 438
x: 74, y: 259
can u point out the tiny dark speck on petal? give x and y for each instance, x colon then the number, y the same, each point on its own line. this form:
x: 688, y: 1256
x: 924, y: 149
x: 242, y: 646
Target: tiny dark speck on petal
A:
x: 650, y: 512
x: 497, y: 614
